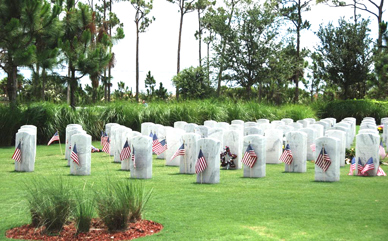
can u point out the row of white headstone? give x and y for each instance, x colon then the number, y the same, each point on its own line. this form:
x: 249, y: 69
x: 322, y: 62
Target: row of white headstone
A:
x: 266, y: 138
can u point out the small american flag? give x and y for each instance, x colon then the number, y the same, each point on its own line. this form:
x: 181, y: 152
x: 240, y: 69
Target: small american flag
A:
x: 151, y: 135
x: 368, y: 166
x: 159, y: 149
x: 380, y: 172
x: 352, y: 166
x: 323, y: 160
x: 106, y: 146
x: 54, y: 138
x: 381, y: 150
x: 104, y: 138
x: 17, y: 155
x: 180, y: 152
x: 155, y: 143
x: 250, y: 157
x: 359, y: 167
x: 74, y: 155
x: 125, y: 152
x: 201, y: 164
x: 133, y: 157
x: 286, y: 156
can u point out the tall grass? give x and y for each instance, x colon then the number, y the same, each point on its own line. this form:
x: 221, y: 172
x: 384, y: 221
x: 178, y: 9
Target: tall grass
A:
x: 50, y: 203
x: 84, y: 209
x: 50, y: 117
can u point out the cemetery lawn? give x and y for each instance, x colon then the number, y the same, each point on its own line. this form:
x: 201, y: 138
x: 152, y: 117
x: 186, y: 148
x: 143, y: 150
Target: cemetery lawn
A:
x: 281, y: 206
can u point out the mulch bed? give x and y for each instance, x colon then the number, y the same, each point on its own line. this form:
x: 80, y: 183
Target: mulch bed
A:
x: 97, y: 232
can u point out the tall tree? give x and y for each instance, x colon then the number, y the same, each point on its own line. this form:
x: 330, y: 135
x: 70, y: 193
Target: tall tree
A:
x: 347, y: 55
x: 142, y: 22
x: 252, y: 47
x: 292, y: 11
x: 374, y: 7
x: 82, y: 52
x: 185, y: 6
x: 19, y: 21
x: 201, y: 6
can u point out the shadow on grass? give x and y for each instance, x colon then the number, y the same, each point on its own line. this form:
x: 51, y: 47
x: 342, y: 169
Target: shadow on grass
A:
x: 121, y: 170
x: 181, y: 174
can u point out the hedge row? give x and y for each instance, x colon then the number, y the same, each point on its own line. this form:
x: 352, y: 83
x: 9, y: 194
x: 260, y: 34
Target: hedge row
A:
x: 49, y: 117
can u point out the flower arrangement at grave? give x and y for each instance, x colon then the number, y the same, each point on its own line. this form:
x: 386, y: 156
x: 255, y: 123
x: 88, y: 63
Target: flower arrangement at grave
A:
x: 227, y: 158
x: 349, y: 154
x: 380, y: 128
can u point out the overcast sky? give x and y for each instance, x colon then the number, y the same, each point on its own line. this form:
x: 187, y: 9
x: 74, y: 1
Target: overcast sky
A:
x: 158, y: 46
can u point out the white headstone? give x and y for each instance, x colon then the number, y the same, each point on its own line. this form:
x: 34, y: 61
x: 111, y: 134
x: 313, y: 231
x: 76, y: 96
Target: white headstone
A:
x: 262, y: 121
x: 305, y: 123
x: 210, y: 123
x: 222, y: 125
x: 67, y: 138
x: 174, y: 141
x: 310, y: 120
x: 348, y: 128
x: 217, y: 134
x: 318, y: 128
x: 258, y: 144
x: 147, y: 128
x: 274, y: 144
x: 210, y: 149
x: 115, y: 142
x: 187, y: 162
x: 238, y: 122
x: 190, y: 128
x: 296, y: 126
x: 312, y: 135
x: 253, y: 131
x: 180, y: 124
x: 332, y: 174
x: 287, y: 121
x: 83, y: 144
x: 367, y: 146
x: 276, y: 123
x: 251, y: 124
x: 298, y: 145
x: 161, y: 134
x: 26, y: 139
x: 341, y: 136
x: 142, y: 149
x: 233, y: 140
x: 203, y: 131
x: 325, y: 125
x: 285, y: 129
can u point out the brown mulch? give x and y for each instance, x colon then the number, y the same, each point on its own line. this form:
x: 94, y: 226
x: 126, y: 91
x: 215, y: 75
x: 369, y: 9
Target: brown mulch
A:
x: 98, y: 232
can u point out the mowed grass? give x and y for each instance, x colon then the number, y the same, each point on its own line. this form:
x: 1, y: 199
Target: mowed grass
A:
x: 281, y: 206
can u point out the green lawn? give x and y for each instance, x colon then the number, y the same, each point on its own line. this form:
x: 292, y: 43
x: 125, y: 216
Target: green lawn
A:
x: 281, y: 206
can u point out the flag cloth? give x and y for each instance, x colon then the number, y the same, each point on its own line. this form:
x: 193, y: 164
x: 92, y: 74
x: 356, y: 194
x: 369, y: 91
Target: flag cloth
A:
x: 125, y: 152
x: 352, y: 166
x: 104, y: 138
x: 159, y: 149
x: 380, y: 172
x: 250, y: 157
x: 74, y: 155
x: 201, y: 164
x: 381, y: 150
x: 359, y: 167
x: 312, y: 146
x: 133, y: 157
x: 323, y: 160
x: 17, y: 155
x: 368, y: 166
x: 180, y: 152
x: 151, y: 135
x: 106, y: 146
x: 155, y: 143
x: 54, y: 138
x: 286, y: 156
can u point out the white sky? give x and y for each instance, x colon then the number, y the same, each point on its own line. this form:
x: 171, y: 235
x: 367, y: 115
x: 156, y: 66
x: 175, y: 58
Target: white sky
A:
x: 158, y: 46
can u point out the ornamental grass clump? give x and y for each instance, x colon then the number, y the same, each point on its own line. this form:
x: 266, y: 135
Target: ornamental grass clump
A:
x: 50, y: 203
x: 113, y: 205
x: 84, y: 210
x: 139, y: 199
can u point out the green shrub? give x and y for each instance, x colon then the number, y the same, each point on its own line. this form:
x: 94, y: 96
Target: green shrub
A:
x: 139, y: 200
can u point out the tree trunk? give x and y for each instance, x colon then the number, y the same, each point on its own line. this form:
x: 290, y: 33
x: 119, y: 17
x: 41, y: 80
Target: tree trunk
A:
x: 110, y: 51
x: 260, y: 90
x: 137, y: 60
x: 379, y: 19
x: 179, y: 50
x: 12, y: 85
x: 44, y: 74
x: 73, y: 86
x: 199, y: 38
x: 298, y: 53
x: 208, y: 62
x: 68, y: 85
x: 222, y: 53
x: 36, y: 82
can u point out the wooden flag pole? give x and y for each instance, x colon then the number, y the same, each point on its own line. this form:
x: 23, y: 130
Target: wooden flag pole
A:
x: 201, y: 177
x: 59, y: 139
x: 184, y: 158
